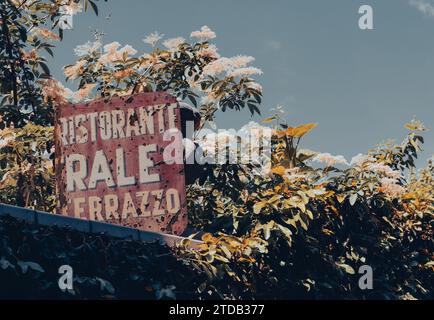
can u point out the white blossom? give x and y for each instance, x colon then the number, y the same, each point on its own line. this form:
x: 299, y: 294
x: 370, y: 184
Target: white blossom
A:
x: 360, y: 159
x: 209, y: 52
x: 73, y: 71
x: 218, y: 66
x: 241, y: 61
x: 173, y: 43
x: 153, y: 38
x: 391, y: 188
x: 330, y: 159
x: 254, y: 85
x: 112, y: 53
x: 242, y: 72
x: 204, y: 34
x: 87, y: 48
x: 384, y: 169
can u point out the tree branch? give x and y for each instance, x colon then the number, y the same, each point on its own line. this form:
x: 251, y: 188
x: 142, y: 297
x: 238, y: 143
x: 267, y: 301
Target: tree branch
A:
x: 9, y: 50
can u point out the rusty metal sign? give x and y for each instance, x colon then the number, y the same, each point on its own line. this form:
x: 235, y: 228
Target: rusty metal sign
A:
x: 111, y: 162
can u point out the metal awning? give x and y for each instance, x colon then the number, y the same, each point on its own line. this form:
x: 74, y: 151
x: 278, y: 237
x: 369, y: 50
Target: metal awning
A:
x: 88, y: 226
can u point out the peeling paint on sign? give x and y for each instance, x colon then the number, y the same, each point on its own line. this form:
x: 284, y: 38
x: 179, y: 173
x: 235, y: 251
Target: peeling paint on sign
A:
x: 109, y: 162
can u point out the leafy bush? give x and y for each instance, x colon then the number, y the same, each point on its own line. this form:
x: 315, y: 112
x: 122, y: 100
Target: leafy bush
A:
x: 103, y: 267
x: 304, y: 232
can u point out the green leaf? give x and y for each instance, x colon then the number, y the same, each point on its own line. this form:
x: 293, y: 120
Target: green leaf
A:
x: 94, y: 7
x: 26, y: 265
x: 269, y: 119
x: 50, y: 52
x: 106, y: 286
x: 253, y: 108
x: 23, y: 34
x: 348, y: 269
x: 44, y: 68
x: 5, y: 264
x: 193, y: 100
x: 257, y: 208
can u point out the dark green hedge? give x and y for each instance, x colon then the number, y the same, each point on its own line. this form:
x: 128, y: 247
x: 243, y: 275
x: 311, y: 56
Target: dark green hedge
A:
x: 110, y: 268
x: 103, y: 267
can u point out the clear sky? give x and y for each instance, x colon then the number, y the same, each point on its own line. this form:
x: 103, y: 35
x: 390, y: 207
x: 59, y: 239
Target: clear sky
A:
x: 360, y: 86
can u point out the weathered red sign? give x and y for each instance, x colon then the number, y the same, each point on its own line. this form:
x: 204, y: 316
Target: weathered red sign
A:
x: 110, y: 166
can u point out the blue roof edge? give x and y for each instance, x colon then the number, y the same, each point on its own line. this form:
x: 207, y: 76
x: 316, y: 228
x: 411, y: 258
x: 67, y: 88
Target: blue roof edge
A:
x: 92, y: 227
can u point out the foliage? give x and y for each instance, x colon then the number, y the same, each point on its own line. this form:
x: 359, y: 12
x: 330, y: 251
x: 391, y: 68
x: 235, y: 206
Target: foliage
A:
x: 23, y: 36
x: 26, y: 112
x: 104, y: 267
x: 189, y: 71
x: 193, y: 71
x: 320, y: 225
x: 26, y: 167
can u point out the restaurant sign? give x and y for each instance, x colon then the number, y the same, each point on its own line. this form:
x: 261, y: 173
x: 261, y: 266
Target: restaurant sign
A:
x: 115, y: 162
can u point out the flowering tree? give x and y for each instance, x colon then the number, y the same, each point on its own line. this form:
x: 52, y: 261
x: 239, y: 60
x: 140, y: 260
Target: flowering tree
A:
x: 24, y: 34
x: 304, y: 231
x: 27, y: 30
x: 193, y: 71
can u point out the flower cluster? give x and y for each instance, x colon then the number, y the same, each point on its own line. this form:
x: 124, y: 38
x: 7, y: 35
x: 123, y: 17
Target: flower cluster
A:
x: 329, y: 159
x: 195, y: 72
x: 46, y: 34
x: 204, y: 34
x: 54, y: 90
x: 233, y: 67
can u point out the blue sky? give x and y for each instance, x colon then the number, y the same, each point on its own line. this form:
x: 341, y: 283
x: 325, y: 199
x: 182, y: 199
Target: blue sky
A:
x: 360, y: 86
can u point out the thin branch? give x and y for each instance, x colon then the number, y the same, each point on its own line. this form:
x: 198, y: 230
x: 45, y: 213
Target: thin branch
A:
x: 11, y: 56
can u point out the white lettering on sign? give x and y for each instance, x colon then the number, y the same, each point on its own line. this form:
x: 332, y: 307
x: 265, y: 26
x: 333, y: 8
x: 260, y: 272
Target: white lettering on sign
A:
x: 111, y: 166
x: 107, y: 125
x: 116, y: 124
x: 152, y: 203
x: 77, y: 164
